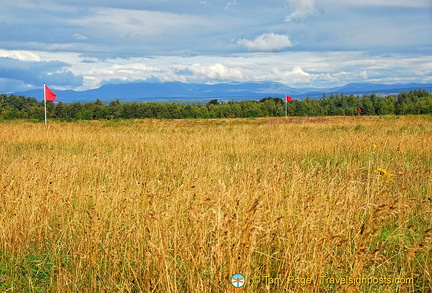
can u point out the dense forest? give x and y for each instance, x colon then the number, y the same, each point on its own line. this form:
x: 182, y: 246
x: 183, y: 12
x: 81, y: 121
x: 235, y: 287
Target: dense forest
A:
x: 414, y: 102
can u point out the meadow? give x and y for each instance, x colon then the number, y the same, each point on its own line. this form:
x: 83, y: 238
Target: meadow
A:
x: 328, y: 204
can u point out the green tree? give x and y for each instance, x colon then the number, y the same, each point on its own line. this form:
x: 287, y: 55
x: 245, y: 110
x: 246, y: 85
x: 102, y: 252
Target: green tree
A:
x: 367, y: 106
x: 72, y: 110
x: 85, y: 114
x: 9, y: 113
x: 386, y: 106
x: 114, y: 109
x: 37, y: 112
x: 213, y: 102
x: 60, y: 111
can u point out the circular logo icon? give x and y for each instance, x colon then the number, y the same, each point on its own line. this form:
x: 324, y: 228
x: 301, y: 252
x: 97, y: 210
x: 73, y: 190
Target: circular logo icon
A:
x: 238, y: 280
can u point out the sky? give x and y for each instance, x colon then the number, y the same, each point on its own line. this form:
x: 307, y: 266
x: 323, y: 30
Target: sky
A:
x: 84, y: 44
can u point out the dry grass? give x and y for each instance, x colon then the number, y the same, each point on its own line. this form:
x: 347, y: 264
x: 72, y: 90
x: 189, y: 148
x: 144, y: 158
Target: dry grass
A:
x: 180, y: 206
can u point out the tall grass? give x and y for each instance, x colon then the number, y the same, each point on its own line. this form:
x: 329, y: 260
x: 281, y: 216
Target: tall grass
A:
x: 295, y: 205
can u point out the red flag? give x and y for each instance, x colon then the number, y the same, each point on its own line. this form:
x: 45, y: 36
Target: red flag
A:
x: 49, y: 95
x: 288, y: 98
x: 359, y: 110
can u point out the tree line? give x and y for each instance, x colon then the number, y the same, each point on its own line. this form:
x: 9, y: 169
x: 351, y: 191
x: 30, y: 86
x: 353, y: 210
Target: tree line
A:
x: 413, y: 102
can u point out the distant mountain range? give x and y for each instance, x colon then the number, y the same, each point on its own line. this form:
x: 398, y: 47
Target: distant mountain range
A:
x: 187, y: 92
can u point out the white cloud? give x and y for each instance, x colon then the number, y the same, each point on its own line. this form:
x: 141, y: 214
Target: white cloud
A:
x: 20, y: 55
x: 80, y: 37
x: 192, y: 40
x: 216, y: 71
x: 267, y: 42
x: 301, y: 9
x: 296, y: 69
x: 230, y: 4
x: 136, y: 24
x: 291, y: 76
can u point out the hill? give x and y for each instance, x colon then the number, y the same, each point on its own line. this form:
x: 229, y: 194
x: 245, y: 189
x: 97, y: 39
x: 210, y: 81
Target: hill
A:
x: 183, y: 92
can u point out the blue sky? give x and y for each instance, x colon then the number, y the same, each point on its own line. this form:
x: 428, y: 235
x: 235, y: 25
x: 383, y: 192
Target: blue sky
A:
x: 83, y: 44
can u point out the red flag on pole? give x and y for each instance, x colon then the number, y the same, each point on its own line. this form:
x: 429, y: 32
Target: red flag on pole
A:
x: 359, y: 110
x: 49, y: 95
x: 288, y: 98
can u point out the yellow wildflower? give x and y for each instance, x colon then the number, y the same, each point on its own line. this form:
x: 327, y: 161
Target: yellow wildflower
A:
x: 383, y: 172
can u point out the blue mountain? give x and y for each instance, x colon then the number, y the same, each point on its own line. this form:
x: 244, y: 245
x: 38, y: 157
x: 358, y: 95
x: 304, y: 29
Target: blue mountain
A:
x: 367, y: 88
x: 185, y: 92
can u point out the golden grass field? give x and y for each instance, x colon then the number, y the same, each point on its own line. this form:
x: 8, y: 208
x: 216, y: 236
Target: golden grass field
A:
x: 294, y: 204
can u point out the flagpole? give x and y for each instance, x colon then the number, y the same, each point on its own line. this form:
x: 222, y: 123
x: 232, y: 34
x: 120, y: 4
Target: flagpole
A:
x: 45, y: 106
x: 286, y: 108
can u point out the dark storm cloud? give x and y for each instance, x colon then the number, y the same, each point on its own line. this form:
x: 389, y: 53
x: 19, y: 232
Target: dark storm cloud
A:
x: 36, y: 73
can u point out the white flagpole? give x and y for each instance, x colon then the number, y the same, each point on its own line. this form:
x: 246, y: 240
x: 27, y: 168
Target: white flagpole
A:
x: 45, y: 106
x: 286, y: 107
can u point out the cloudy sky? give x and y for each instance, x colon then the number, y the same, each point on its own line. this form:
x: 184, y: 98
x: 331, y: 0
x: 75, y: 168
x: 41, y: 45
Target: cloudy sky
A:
x: 83, y: 44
